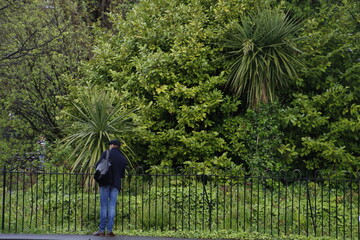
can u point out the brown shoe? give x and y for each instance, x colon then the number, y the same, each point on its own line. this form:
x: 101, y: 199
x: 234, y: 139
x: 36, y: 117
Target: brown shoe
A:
x: 99, y: 234
x: 110, y: 234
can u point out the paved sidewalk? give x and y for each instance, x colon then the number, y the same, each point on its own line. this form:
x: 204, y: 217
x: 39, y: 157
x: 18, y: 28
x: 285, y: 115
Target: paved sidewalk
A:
x: 4, y: 236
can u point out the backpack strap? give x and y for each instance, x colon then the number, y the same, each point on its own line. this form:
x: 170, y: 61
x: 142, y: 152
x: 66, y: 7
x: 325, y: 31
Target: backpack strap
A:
x: 107, y: 154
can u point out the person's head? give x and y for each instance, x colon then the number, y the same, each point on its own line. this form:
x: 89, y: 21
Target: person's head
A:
x: 114, y: 143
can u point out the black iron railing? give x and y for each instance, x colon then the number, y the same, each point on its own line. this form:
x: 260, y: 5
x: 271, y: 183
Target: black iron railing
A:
x: 276, y: 204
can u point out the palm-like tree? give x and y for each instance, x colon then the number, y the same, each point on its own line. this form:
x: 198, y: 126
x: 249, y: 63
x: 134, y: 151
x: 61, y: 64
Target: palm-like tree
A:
x: 265, y: 55
x: 97, y: 118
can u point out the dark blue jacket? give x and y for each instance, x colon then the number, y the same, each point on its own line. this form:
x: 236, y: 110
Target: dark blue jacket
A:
x: 118, y: 163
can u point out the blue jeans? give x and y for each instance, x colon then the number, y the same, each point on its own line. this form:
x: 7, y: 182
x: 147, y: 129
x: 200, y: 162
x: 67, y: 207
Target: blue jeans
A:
x: 108, y: 197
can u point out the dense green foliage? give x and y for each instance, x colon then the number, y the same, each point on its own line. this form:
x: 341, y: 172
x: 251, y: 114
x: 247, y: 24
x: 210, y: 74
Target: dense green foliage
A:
x: 170, y: 60
x: 322, y: 120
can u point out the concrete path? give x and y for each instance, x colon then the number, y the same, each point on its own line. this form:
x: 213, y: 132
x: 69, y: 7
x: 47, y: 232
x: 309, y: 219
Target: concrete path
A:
x: 4, y: 236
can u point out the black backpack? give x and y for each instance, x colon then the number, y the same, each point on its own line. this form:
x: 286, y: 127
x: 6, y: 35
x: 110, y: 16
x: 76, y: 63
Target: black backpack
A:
x: 103, y: 174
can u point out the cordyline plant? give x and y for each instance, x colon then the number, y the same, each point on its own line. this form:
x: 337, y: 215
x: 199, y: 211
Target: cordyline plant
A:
x: 97, y: 118
x: 265, y: 55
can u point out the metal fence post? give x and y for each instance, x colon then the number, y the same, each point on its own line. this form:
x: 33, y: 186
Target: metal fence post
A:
x: 3, y: 202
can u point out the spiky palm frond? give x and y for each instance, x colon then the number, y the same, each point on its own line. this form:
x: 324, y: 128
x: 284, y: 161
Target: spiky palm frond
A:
x: 264, y: 55
x: 97, y: 119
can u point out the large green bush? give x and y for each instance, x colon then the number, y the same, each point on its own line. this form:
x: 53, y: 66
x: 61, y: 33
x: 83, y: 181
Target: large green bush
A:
x: 169, y: 59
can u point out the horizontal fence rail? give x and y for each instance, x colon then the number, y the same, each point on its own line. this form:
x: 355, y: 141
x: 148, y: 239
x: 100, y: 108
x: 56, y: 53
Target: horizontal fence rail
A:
x: 276, y: 204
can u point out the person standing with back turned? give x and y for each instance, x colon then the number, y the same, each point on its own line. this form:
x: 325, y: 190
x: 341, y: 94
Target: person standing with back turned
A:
x: 109, y: 193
